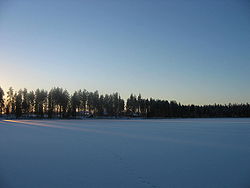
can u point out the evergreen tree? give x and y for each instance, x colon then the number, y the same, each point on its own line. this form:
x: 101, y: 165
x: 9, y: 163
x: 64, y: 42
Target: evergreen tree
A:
x: 75, y: 103
x: 18, y: 104
x: 31, y: 102
x: 10, y: 106
x: 1, y: 101
x: 25, y: 102
x: 83, y: 99
x: 40, y: 102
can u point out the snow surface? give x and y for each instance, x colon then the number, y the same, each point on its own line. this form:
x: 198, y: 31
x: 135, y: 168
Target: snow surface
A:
x: 172, y: 153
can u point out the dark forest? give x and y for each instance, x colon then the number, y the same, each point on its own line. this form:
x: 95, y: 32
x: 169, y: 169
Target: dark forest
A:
x: 58, y: 103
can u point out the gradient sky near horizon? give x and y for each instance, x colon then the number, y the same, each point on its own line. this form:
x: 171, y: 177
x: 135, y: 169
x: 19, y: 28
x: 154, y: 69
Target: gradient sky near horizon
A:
x: 190, y: 51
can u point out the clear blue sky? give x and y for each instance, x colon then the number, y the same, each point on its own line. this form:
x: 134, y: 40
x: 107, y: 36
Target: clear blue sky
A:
x: 189, y: 51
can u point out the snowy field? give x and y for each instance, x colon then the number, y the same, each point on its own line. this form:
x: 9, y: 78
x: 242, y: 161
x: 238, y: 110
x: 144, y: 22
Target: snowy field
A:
x: 173, y: 153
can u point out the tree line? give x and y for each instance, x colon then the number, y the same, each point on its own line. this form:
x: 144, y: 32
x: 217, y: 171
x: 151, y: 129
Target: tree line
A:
x: 59, y: 103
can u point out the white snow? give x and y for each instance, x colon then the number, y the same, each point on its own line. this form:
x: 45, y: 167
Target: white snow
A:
x: 171, y: 153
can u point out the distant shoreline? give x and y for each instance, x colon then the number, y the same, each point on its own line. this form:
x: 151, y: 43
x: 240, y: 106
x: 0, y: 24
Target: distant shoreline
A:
x: 124, y: 118
x: 58, y: 103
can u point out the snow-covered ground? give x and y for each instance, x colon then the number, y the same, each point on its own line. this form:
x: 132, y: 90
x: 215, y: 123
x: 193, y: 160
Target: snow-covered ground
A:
x: 125, y: 153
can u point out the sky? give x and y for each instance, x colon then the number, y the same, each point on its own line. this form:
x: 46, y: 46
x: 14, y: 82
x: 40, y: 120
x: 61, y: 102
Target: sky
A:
x: 190, y: 51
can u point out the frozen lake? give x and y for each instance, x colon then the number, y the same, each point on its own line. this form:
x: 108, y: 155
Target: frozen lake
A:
x: 172, y: 153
